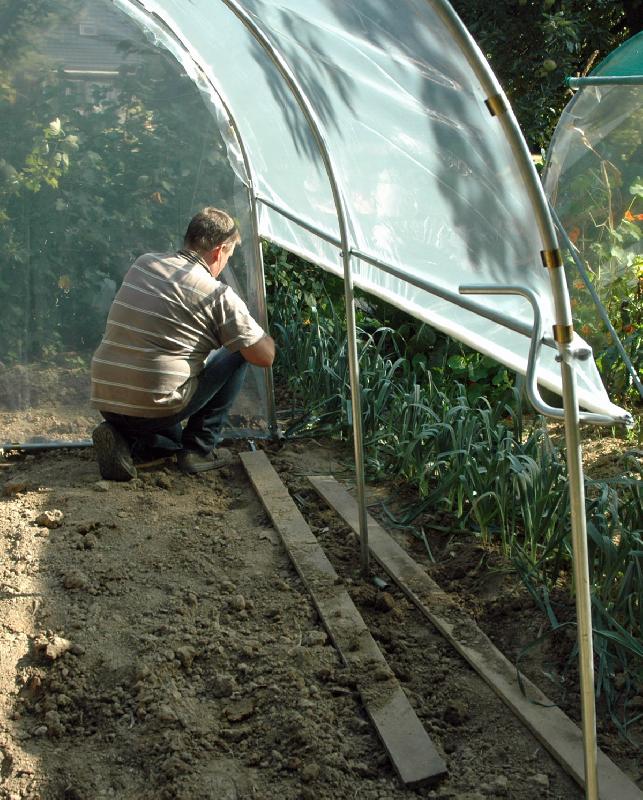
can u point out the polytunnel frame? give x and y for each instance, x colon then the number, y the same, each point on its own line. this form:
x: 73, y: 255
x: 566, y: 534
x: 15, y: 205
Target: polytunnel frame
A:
x: 563, y: 332
x: 604, y: 80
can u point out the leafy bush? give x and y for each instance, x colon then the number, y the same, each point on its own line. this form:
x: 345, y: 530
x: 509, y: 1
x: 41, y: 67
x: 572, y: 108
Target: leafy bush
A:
x: 532, y: 45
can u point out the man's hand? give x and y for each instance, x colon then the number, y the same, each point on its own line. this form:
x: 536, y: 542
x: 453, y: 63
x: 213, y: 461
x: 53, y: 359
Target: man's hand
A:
x: 261, y: 354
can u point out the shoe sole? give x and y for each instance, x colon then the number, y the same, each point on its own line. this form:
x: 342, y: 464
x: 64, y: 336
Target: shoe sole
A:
x: 112, y: 453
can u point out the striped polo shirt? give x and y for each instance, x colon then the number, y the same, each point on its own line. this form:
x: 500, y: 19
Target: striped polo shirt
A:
x: 166, y: 318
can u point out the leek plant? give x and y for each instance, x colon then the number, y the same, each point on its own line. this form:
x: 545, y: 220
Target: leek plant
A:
x: 477, y: 461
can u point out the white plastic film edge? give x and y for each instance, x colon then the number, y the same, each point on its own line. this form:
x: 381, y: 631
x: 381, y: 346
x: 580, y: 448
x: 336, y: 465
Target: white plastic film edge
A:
x: 546, y: 377
x: 196, y: 71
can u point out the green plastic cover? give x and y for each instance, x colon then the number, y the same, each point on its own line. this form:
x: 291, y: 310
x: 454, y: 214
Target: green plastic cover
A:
x: 625, y: 60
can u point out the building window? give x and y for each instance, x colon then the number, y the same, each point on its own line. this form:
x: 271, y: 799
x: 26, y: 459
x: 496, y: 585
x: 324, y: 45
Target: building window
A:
x: 87, y: 29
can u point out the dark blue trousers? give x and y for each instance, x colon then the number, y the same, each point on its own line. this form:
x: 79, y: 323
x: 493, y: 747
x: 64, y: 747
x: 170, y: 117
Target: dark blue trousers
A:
x: 218, y: 387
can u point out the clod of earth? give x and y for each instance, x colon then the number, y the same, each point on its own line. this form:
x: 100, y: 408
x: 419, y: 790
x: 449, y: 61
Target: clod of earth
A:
x: 456, y: 713
x: 52, y: 648
x: 75, y: 580
x: 237, y: 712
x: 14, y: 487
x: 50, y: 519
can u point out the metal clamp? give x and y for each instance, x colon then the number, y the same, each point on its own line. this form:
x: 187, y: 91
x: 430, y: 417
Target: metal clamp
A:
x: 552, y: 259
x: 496, y: 104
x: 531, y: 381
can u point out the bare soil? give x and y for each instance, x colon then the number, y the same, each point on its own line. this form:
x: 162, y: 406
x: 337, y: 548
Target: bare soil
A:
x: 156, y: 643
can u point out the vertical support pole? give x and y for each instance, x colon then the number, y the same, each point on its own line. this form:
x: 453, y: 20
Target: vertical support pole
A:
x: 356, y: 405
x: 261, y: 295
x: 500, y: 109
x: 580, y: 565
x: 317, y: 130
x: 563, y: 334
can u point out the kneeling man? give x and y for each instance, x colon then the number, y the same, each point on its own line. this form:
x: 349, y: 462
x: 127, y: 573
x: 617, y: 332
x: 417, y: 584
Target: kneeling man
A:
x: 176, y: 348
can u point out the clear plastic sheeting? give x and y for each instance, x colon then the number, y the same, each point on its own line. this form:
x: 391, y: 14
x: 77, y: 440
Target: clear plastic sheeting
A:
x: 594, y: 180
x: 120, y: 119
x: 430, y: 183
x: 505, y: 345
x: 109, y: 145
x: 594, y: 175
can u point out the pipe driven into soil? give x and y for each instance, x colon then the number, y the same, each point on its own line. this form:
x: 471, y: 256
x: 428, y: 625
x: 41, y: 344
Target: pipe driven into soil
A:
x: 501, y: 109
x: 37, y: 447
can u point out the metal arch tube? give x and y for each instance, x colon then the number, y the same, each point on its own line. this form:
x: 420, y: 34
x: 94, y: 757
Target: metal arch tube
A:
x: 507, y: 120
x: 605, y: 80
x: 340, y: 205
x: 563, y: 315
x: 224, y: 102
x: 251, y: 184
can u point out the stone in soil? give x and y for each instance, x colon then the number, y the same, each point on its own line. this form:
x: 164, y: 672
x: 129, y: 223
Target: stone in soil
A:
x: 53, y: 647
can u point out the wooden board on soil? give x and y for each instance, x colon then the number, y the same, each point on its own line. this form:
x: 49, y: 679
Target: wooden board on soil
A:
x: 543, y: 718
x: 407, y: 743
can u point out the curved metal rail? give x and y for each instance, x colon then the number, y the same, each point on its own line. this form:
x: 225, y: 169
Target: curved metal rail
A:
x: 537, y: 339
x: 317, y: 130
x: 499, y: 106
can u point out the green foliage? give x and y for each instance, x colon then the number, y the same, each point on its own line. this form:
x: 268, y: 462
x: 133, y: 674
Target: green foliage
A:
x: 306, y: 285
x: 92, y: 174
x: 465, y: 456
x: 290, y: 279
x: 608, y: 236
x: 532, y: 45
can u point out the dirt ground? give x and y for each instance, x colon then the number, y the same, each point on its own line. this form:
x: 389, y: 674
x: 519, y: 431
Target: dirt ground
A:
x: 157, y: 643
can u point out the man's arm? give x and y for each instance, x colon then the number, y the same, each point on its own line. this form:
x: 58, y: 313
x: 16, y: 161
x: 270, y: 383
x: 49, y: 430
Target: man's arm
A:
x: 261, y: 354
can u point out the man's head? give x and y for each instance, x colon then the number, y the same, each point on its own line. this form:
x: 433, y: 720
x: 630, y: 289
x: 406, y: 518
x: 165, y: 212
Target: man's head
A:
x: 213, y: 234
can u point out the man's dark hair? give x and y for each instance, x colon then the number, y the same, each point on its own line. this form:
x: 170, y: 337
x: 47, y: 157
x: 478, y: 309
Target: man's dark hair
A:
x: 209, y: 228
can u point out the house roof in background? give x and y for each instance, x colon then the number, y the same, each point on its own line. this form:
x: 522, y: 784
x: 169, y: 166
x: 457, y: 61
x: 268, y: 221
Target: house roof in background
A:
x: 93, y: 42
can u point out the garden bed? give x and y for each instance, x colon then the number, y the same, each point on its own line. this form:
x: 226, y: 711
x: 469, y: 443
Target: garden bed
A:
x: 158, y: 644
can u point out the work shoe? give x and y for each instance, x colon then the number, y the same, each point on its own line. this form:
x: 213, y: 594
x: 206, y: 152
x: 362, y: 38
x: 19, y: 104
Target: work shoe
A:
x: 192, y: 461
x: 113, y: 454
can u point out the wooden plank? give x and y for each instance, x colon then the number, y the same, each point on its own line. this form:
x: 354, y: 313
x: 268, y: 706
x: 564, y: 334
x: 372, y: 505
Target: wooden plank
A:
x: 408, y: 745
x: 553, y: 729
